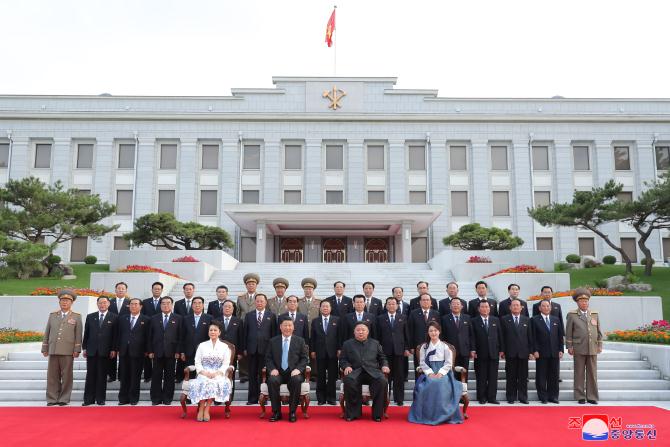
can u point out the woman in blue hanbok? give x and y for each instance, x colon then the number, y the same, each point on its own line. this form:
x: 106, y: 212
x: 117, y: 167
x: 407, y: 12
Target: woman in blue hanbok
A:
x: 436, y: 392
x: 212, y: 360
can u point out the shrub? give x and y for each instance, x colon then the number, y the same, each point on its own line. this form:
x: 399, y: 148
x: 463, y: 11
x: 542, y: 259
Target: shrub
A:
x: 601, y: 283
x: 561, y: 266
x: 644, y: 261
x: 573, y: 259
x: 52, y: 260
x: 475, y: 237
x: 90, y: 259
x: 630, y: 278
x: 591, y: 263
x: 609, y: 259
x: 9, y: 335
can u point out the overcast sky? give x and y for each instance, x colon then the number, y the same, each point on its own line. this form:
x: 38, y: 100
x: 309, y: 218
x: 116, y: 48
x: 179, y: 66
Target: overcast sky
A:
x: 480, y: 48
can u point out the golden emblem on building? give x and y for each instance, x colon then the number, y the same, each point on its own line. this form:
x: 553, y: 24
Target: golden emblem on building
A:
x: 335, y: 95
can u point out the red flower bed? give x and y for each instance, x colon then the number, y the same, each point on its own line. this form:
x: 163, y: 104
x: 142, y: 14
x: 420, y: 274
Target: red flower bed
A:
x: 478, y: 260
x: 594, y: 292
x: 524, y: 268
x: 186, y: 259
x: 146, y: 269
x: 48, y: 291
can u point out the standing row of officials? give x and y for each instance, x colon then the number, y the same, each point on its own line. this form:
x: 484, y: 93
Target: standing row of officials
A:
x: 160, y: 337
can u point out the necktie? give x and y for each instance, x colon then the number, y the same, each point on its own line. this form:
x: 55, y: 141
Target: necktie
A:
x: 338, y: 302
x: 325, y: 325
x: 119, y: 305
x: 62, y: 316
x: 197, y: 319
x: 516, y: 321
x: 259, y: 319
x: 102, y: 318
x: 486, y: 325
x: 367, y: 305
x: 165, y: 321
x: 156, y: 304
x: 546, y: 321
x: 188, y: 306
x: 456, y: 318
x: 392, y: 320
x: 359, y: 316
x: 284, y: 355
x: 221, y: 307
x: 292, y: 316
x: 132, y: 323
x: 425, y: 315
x: 227, y: 320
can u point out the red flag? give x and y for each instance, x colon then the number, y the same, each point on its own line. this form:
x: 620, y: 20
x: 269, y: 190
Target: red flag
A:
x: 330, y: 29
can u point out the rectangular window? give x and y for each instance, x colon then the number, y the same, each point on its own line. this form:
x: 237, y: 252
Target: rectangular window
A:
x: 457, y: 158
x: 292, y: 157
x: 210, y: 156
x: 166, y: 201
x: 499, y: 158
x: 334, y: 158
x: 124, y: 202
x: 4, y: 155
x: 419, y: 249
x: 417, y: 197
x: 540, y: 158
x: 375, y: 197
x: 544, y: 243
x: 501, y: 203
x: 208, y: 203
x: 120, y: 243
x: 126, y: 156
x: 375, y: 158
x: 292, y: 197
x: 662, y: 158
x: 587, y: 246
x: 84, y: 192
x: 252, y: 156
x: 78, y: 249
x: 666, y: 248
x: 84, y: 156
x: 629, y: 246
x: 459, y: 203
x: 542, y: 198
x: 168, y: 156
x: 251, y: 196
x: 334, y: 197
x: 581, y: 158
x: 417, y: 158
x: 43, y: 156
x: 625, y: 196
x: 622, y: 158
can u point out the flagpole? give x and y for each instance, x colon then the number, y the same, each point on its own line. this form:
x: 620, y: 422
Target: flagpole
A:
x: 335, y: 46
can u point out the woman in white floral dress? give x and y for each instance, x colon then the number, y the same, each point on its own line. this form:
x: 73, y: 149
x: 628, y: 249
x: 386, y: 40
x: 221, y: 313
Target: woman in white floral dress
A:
x: 212, y: 360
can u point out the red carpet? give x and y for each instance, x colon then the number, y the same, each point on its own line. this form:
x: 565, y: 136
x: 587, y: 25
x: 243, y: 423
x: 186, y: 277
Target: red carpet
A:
x: 161, y: 426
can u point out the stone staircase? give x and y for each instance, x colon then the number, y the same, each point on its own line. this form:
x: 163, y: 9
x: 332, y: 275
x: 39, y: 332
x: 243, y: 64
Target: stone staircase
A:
x: 384, y: 276
x: 622, y: 376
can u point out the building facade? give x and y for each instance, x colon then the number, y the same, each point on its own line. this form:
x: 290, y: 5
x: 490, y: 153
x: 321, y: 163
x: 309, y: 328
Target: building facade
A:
x: 340, y: 169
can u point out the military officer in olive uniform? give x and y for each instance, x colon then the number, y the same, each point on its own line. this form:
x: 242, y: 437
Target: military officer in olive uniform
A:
x: 246, y: 302
x: 309, y: 304
x: 584, y: 341
x: 277, y: 304
x: 62, y: 344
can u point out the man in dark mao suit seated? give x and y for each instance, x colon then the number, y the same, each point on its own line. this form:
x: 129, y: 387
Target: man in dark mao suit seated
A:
x: 364, y: 363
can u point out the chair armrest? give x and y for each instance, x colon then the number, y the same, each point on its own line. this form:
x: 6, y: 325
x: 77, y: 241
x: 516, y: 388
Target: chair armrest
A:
x: 264, y: 374
x: 308, y: 373
x: 230, y: 372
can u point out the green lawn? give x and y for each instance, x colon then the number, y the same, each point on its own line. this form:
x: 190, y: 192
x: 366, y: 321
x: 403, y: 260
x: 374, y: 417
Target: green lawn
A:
x: 659, y: 280
x: 25, y: 286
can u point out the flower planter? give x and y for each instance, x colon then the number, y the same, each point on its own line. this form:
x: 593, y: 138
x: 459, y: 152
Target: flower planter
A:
x: 190, y: 271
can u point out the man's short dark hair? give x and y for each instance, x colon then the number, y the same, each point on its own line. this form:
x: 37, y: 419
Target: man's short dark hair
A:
x: 169, y: 298
x: 389, y: 299
x: 516, y: 299
x: 294, y: 296
x: 358, y: 295
x: 427, y: 294
x: 119, y: 284
x: 339, y: 282
x: 546, y: 287
x: 422, y: 282
x: 544, y: 301
x: 324, y: 302
x: 101, y: 297
x: 228, y: 301
x: 188, y: 284
x: 263, y: 295
x: 512, y: 285
x: 134, y: 299
x: 397, y: 287
x: 198, y: 298
x: 368, y: 282
x: 481, y: 282
x: 222, y: 287
x: 158, y: 283
x: 364, y: 323
x: 452, y: 282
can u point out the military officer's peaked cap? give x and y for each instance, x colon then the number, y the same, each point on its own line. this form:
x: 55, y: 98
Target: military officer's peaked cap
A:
x: 581, y: 293
x: 249, y: 277
x: 308, y: 282
x: 67, y: 293
x: 280, y: 282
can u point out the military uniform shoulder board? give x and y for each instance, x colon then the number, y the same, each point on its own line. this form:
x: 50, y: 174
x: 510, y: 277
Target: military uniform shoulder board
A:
x: 594, y: 312
x: 75, y: 313
x: 573, y: 312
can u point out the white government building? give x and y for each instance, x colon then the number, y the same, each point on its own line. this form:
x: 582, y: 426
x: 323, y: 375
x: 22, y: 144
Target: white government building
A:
x: 339, y: 169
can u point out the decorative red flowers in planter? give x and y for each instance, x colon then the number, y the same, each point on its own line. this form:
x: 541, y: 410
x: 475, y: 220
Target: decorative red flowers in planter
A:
x: 478, y: 260
x: 146, y: 269
x: 656, y: 332
x: 186, y: 259
x: 594, y: 292
x: 48, y: 291
x: 524, y: 268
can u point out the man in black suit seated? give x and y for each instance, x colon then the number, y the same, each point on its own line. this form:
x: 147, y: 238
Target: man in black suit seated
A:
x: 457, y: 331
x: 359, y: 314
x: 215, y: 308
x: 363, y: 363
x: 100, y: 332
x: 340, y: 304
x: 195, y: 330
x: 415, y: 303
x: 150, y: 307
x: 164, y: 348
x: 393, y: 335
x: 300, y: 324
x: 504, y: 306
x: 488, y: 348
x: 473, y: 305
x: 232, y: 330
x: 285, y: 361
x: 518, y: 337
x: 324, y: 346
x: 260, y: 326
x: 444, y: 307
x: 373, y: 305
x: 548, y: 338
x: 133, y: 330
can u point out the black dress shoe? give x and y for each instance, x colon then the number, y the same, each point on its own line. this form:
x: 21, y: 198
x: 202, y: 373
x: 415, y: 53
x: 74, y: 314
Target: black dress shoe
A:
x: 291, y: 417
x: 243, y: 380
x: 553, y: 401
x: 348, y: 419
x: 332, y: 402
x: 156, y: 402
x: 524, y: 402
x: 124, y: 403
x: 133, y: 403
x: 482, y: 402
x: 543, y: 401
x: 252, y: 403
x: 591, y: 401
x: 581, y: 401
x: 510, y: 401
x: 377, y: 419
x: 51, y: 404
x: 101, y: 403
x: 321, y: 402
x: 494, y: 402
x: 86, y: 404
x: 275, y: 417
x: 167, y: 402
x: 62, y: 404
x: 400, y: 404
